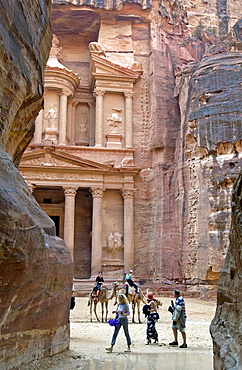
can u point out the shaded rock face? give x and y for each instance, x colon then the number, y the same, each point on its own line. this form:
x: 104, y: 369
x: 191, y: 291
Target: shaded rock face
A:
x: 25, y: 32
x: 226, y: 325
x: 35, y: 266
x: 210, y: 140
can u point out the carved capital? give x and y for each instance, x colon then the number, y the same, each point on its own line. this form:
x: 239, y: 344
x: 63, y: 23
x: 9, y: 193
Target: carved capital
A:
x: 99, y: 92
x: 129, y: 94
x: 31, y: 187
x: 128, y: 193
x: 65, y: 92
x: 69, y: 191
x: 91, y: 104
x: 97, y: 192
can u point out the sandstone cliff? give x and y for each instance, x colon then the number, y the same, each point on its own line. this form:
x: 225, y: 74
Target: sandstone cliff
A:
x: 35, y: 266
x: 226, y: 325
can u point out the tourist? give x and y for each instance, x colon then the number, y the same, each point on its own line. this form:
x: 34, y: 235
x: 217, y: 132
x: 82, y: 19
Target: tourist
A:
x: 122, y: 318
x: 152, y: 317
x: 99, y: 282
x: 178, y: 311
x: 130, y: 281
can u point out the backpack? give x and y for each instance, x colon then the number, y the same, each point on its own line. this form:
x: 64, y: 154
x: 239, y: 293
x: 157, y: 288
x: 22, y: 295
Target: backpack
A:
x: 146, y: 307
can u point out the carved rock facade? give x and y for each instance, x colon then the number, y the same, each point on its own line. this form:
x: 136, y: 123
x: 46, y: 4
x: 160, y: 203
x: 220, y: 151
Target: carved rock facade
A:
x: 35, y: 265
x: 132, y: 109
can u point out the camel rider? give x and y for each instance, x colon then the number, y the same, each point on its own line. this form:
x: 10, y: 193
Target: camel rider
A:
x: 131, y: 283
x: 99, y: 282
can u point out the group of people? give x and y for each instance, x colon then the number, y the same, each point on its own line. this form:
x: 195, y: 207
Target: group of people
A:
x: 177, y: 309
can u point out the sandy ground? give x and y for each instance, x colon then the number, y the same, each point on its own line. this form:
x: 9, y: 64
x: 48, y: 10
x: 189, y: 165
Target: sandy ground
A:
x: 89, y: 339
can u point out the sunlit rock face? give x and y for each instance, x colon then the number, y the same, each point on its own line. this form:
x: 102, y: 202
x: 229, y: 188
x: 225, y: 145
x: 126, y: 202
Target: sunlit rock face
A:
x: 226, y: 325
x: 35, y: 266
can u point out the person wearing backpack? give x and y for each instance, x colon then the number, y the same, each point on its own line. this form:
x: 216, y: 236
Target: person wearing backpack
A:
x: 152, y: 317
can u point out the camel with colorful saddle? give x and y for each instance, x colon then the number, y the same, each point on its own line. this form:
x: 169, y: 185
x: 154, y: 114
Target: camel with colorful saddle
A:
x: 103, y: 297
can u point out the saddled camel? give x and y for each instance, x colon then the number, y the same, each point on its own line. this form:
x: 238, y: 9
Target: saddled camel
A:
x: 103, y: 297
x: 135, y: 299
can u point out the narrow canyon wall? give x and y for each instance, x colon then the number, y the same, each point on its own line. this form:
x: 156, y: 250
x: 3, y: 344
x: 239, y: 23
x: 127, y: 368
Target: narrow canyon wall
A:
x: 226, y: 325
x: 35, y: 266
x: 210, y: 139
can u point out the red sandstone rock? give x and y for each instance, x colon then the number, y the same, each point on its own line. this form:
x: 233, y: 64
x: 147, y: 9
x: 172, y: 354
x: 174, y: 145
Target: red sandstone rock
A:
x: 35, y: 266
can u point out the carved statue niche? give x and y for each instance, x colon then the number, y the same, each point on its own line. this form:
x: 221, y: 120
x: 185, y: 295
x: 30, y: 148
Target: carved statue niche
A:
x: 51, y: 117
x: 82, y: 125
x: 114, y: 120
x: 114, y: 242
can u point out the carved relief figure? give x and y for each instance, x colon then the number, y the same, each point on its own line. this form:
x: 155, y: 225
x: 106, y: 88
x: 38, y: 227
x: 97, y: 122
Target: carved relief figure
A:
x: 82, y: 124
x: 97, y: 48
x: 51, y: 118
x: 114, y: 242
x: 114, y: 120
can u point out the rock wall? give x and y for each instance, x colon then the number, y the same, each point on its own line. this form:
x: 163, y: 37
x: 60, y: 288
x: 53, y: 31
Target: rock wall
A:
x: 226, y: 325
x: 210, y: 138
x: 35, y: 266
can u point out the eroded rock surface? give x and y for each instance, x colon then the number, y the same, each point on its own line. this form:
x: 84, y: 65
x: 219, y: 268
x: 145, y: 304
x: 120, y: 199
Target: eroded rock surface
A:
x: 226, y: 325
x: 35, y: 266
x: 210, y: 104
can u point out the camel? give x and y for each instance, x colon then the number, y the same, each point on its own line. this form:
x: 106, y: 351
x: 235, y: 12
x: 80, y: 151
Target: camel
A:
x: 103, y: 298
x: 135, y: 299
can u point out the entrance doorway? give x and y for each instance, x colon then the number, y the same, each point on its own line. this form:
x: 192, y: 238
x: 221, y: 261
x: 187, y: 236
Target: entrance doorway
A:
x: 56, y: 220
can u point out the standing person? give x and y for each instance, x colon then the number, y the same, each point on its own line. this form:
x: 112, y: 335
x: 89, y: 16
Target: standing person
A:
x: 122, y: 317
x: 178, y: 311
x: 152, y: 318
x: 99, y: 281
x: 130, y: 281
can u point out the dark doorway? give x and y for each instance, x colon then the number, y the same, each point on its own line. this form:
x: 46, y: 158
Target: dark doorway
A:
x: 56, y: 220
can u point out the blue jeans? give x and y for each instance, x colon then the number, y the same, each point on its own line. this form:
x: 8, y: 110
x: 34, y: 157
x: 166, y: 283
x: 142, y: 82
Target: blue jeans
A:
x: 131, y: 283
x: 123, y: 321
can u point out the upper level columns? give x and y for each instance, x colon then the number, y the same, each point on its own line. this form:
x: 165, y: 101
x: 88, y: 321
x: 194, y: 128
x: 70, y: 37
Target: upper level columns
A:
x: 96, y: 262
x: 63, y: 117
x: 99, y: 117
x: 128, y: 195
x: 129, y: 119
x: 69, y: 219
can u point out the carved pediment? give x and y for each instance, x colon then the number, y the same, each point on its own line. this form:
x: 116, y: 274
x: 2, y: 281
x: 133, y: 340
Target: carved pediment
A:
x: 56, y: 158
x: 101, y: 67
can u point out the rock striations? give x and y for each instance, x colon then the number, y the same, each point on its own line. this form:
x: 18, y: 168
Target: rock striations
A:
x: 35, y: 265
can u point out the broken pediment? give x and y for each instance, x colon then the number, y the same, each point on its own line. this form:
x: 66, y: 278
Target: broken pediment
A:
x: 102, y: 69
x: 56, y: 158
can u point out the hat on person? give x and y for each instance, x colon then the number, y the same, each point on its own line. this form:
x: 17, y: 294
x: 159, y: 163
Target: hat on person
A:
x: 150, y: 296
x: 131, y: 271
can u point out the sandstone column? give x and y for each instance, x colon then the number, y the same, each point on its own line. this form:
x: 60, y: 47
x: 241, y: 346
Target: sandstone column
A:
x: 128, y: 119
x: 69, y: 219
x: 38, y: 128
x: 73, y: 123
x: 96, y: 264
x: 63, y: 116
x: 69, y: 120
x: 99, y: 117
x: 91, y: 125
x: 128, y: 195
